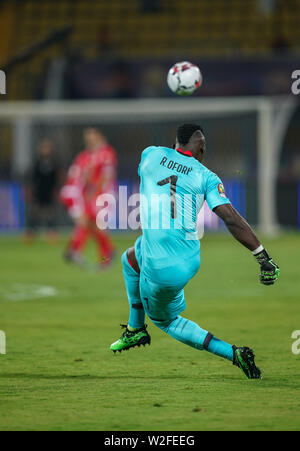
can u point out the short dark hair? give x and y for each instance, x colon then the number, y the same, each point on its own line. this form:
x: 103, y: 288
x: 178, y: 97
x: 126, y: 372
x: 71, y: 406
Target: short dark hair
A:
x: 185, y: 131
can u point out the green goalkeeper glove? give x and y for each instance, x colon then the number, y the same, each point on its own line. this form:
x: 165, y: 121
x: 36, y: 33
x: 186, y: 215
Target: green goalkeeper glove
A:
x: 269, y: 271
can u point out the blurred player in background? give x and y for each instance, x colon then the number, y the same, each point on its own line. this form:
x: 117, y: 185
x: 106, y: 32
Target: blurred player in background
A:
x: 42, y: 191
x: 92, y: 173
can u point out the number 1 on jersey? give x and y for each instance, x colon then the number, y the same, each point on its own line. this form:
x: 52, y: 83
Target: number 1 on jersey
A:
x: 172, y: 180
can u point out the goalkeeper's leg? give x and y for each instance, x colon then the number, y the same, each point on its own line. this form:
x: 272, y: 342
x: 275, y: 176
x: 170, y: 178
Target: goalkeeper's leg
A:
x: 135, y: 333
x: 164, y: 304
x: 191, y: 334
x: 132, y: 284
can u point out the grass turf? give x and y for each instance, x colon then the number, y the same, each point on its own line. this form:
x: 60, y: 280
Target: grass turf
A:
x: 58, y: 373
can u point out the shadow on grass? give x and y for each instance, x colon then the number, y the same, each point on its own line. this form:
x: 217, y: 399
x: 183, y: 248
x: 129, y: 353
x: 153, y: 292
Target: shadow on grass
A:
x: 104, y: 377
x: 203, y: 381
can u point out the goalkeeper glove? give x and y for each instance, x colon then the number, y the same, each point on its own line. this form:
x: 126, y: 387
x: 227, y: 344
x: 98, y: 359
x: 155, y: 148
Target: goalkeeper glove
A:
x: 269, y: 271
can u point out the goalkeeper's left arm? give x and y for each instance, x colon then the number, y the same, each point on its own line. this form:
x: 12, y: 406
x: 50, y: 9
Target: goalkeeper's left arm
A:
x: 242, y: 232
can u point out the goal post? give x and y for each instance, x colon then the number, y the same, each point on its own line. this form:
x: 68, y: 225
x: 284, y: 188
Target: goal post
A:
x: 274, y: 115
x: 244, y: 134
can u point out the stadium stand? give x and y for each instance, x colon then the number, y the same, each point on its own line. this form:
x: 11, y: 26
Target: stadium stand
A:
x: 207, y: 28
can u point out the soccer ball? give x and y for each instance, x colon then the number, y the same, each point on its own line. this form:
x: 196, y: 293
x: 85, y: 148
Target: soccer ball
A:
x: 184, y: 78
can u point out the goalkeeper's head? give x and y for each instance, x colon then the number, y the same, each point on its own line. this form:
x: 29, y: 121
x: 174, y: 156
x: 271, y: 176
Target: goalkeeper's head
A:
x: 190, y: 138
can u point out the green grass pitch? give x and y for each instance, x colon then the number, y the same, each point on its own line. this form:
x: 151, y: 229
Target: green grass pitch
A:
x: 59, y: 374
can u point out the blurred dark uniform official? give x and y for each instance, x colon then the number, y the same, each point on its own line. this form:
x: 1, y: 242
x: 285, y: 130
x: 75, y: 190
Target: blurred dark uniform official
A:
x: 42, y: 190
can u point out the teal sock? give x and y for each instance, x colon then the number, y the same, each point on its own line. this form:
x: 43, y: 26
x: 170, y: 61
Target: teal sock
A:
x: 132, y: 284
x: 191, y: 334
x: 220, y: 348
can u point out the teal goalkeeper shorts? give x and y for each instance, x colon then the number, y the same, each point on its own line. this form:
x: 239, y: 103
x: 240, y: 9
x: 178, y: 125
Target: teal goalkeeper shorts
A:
x: 161, y: 301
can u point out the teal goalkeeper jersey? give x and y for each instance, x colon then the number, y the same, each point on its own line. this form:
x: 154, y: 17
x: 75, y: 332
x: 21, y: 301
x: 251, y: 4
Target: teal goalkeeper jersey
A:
x: 173, y: 188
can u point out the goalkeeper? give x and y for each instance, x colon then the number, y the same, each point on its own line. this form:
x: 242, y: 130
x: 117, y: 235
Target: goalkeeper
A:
x: 162, y: 261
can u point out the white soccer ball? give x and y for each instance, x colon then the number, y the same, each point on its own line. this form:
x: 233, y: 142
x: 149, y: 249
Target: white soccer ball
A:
x: 184, y: 78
